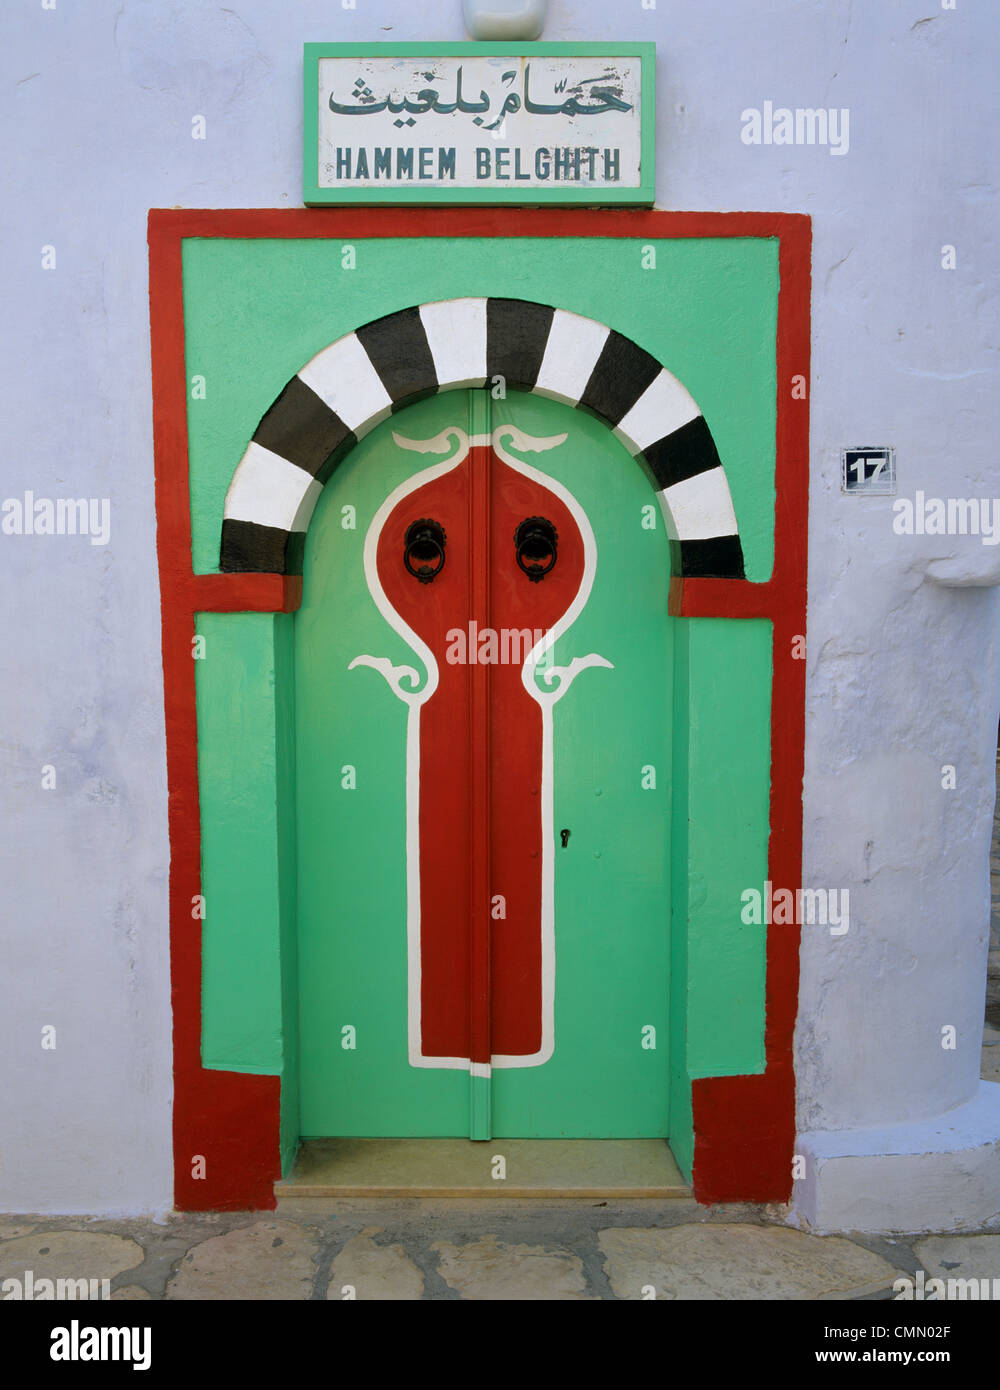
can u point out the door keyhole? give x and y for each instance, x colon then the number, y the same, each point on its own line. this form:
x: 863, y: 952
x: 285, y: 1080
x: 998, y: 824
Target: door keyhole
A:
x: 564, y: 836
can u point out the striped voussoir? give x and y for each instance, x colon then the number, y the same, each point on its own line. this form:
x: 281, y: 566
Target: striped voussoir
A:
x: 361, y: 379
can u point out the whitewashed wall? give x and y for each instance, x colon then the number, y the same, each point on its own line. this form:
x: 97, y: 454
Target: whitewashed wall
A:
x: 902, y: 673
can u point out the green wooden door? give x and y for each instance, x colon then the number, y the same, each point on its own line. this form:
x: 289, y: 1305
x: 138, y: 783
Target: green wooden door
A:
x: 377, y: 1058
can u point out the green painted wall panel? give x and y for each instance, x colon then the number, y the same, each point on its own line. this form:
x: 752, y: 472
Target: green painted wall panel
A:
x: 681, y: 1121
x: 237, y: 775
x: 729, y: 668
x: 284, y: 677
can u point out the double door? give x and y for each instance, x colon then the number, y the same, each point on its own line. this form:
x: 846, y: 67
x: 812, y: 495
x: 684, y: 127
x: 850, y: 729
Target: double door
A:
x: 483, y: 681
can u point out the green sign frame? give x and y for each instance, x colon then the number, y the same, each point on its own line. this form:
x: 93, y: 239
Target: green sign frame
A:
x: 641, y: 195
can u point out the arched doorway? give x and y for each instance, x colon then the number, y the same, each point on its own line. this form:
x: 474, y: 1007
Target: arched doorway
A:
x: 716, y: 316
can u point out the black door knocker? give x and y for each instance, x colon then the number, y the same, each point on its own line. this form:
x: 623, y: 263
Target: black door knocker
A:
x: 425, y: 543
x: 535, y: 547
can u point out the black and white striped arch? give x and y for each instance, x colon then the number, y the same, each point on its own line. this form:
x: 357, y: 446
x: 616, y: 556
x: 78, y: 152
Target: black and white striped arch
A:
x: 359, y: 380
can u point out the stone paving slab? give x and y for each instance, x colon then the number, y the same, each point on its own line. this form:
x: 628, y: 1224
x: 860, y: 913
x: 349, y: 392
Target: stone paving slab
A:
x: 727, y: 1261
x: 489, y: 1269
x: 15, y: 1226
x: 365, y: 1270
x: 961, y: 1257
x: 263, y: 1260
x: 67, y: 1255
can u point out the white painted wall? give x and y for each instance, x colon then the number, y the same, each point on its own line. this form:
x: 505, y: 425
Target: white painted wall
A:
x: 903, y: 674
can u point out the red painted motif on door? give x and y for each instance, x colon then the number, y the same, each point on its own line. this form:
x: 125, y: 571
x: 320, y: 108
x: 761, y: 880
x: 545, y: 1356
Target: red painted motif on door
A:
x: 484, y: 837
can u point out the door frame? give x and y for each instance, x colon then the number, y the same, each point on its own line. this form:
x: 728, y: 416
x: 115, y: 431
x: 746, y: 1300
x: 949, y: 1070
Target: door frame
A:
x: 227, y: 1124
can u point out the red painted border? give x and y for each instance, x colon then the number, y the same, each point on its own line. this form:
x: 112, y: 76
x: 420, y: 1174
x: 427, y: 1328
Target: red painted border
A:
x: 744, y: 1125
x: 227, y: 1120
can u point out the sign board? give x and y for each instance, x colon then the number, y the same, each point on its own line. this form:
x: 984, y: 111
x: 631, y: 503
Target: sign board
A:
x: 869, y: 470
x: 479, y: 123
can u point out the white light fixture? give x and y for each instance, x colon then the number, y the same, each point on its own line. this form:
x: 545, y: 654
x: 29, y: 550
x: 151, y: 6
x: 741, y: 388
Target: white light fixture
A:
x: 504, y: 19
